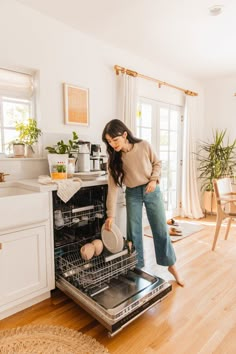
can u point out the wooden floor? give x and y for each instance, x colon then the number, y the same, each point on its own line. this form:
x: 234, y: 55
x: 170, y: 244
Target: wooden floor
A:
x: 199, y: 318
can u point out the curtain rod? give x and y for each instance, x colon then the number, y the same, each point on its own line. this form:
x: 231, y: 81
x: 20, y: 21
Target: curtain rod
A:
x: 119, y: 69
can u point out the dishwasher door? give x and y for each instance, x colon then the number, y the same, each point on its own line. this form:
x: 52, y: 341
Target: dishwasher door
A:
x: 110, y: 288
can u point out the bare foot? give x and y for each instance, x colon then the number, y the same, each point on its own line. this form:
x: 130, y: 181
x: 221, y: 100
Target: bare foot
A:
x: 172, y: 269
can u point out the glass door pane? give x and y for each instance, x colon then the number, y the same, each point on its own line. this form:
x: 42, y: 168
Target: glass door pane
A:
x: 160, y: 124
x: 144, y: 122
x: 169, y: 154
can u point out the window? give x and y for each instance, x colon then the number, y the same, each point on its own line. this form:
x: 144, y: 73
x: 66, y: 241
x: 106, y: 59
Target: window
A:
x: 160, y: 124
x: 16, y: 104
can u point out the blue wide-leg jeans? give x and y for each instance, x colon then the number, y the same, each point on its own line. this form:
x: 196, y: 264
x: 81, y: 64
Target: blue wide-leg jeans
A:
x: 135, y: 198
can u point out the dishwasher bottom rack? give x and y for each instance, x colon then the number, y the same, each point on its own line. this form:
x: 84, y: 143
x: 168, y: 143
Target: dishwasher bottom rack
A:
x: 96, y: 271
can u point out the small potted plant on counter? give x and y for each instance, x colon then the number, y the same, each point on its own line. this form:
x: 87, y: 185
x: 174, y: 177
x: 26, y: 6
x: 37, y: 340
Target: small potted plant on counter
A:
x: 71, y: 149
x: 28, y: 134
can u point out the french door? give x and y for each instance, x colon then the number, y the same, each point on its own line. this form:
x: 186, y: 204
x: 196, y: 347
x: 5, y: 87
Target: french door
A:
x: 161, y: 125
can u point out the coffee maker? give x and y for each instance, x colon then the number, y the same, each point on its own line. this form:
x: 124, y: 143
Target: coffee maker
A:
x: 83, y: 158
x: 95, y: 157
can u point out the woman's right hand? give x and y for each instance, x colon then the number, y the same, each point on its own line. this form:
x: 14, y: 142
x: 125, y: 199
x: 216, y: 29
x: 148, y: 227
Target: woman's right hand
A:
x: 108, y: 223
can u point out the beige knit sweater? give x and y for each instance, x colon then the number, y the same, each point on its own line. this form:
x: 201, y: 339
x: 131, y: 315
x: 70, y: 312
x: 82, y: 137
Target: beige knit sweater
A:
x: 141, y: 166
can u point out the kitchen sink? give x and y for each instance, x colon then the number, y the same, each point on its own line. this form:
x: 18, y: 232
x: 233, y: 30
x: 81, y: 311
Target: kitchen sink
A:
x: 6, y: 191
x: 20, y: 207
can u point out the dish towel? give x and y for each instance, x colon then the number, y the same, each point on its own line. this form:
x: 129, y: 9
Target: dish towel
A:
x: 66, y: 188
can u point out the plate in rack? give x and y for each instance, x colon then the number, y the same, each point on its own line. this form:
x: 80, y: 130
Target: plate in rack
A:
x: 89, y: 175
x: 112, y: 239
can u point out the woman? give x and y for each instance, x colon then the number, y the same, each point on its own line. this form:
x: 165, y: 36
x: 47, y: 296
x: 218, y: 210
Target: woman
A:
x: 133, y: 163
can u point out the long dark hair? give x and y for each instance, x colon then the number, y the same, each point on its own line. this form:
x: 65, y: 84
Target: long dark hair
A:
x: 116, y: 128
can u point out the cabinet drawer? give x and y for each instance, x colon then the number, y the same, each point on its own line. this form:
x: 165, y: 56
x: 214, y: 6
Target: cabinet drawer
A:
x: 22, y: 210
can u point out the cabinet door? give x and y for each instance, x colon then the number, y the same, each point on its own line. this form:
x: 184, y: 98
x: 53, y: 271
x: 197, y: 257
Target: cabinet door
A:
x: 22, y: 264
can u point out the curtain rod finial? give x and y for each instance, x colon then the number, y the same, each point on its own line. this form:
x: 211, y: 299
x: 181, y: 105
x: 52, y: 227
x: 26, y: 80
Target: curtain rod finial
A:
x: 117, y: 69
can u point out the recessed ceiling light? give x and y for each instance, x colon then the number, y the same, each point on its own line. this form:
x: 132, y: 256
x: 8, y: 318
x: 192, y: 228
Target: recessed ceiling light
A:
x: 215, y: 10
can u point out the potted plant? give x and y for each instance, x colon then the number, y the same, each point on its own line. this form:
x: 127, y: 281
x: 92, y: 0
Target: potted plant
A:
x: 18, y: 148
x: 28, y: 134
x: 216, y: 159
x: 71, y: 149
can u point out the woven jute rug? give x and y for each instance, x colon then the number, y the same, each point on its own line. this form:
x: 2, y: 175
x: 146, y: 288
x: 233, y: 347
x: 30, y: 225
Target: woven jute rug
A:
x: 40, y: 339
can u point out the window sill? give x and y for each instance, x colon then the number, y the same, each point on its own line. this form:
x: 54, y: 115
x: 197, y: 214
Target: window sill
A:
x: 22, y: 158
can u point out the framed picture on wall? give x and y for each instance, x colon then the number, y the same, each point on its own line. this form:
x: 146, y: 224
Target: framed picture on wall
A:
x: 76, y: 105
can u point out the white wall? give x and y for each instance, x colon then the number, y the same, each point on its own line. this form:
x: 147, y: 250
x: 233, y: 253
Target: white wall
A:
x: 220, y: 106
x: 29, y: 39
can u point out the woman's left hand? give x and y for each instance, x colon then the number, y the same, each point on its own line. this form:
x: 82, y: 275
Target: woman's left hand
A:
x: 151, y: 186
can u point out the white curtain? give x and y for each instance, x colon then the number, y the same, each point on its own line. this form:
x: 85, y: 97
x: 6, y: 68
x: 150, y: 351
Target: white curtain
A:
x: 191, y: 207
x: 16, y: 84
x: 127, y: 100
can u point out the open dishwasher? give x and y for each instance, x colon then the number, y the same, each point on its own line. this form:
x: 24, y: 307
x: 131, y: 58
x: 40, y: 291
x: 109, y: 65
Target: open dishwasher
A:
x: 108, y: 286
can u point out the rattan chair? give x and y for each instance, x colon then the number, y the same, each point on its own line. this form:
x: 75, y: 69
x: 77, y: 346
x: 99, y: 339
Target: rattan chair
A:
x: 226, y: 205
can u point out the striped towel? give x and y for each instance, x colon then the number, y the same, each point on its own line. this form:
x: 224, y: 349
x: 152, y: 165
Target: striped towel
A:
x: 66, y: 188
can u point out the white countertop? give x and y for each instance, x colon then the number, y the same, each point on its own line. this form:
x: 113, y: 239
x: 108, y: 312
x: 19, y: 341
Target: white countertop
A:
x: 34, y: 185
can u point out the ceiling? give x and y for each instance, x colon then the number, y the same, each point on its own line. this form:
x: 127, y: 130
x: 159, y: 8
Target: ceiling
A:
x: 179, y: 34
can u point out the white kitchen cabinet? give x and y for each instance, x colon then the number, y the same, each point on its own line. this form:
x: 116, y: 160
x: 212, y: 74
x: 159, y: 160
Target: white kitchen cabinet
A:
x: 25, y: 268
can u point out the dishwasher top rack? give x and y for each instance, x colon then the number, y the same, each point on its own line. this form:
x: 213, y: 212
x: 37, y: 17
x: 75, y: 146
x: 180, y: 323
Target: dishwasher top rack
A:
x: 96, y: 271
x: 80, y: 216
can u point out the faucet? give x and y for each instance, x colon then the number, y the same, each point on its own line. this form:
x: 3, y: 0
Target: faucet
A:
x: 2, y: 176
